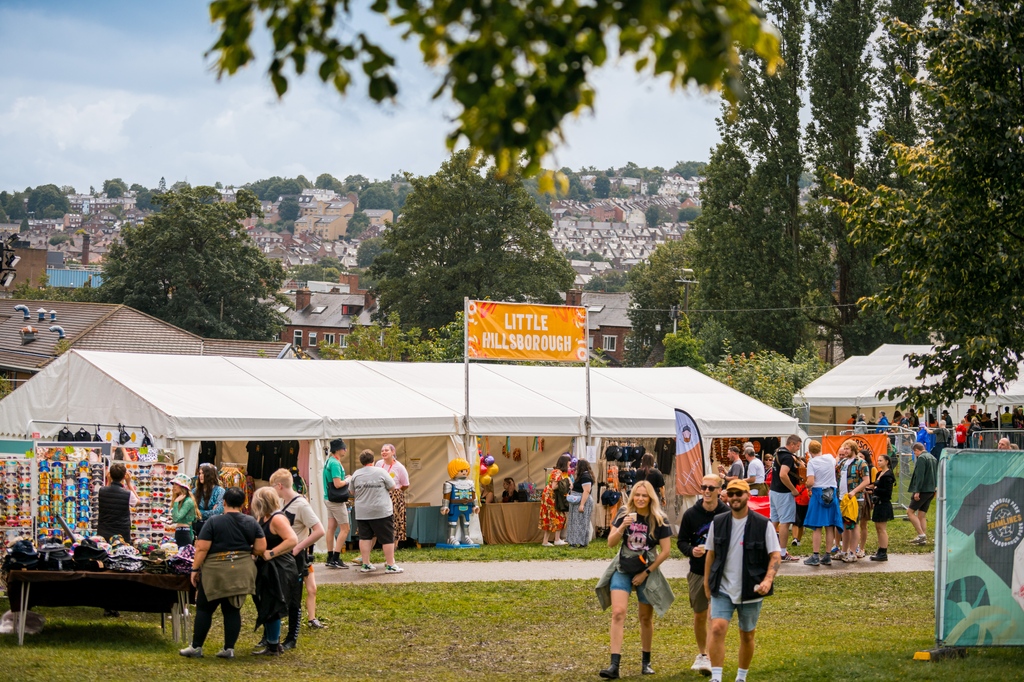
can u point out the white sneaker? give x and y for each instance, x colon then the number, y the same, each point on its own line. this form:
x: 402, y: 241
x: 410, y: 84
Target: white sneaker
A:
x: 860, y: 553
x: 226, y: 653
x: 395, y: 568
x: 702, y: 664
x: 367, y: 568
x: 191, y: 652
x: 546, y: 544
x: 560, y: 542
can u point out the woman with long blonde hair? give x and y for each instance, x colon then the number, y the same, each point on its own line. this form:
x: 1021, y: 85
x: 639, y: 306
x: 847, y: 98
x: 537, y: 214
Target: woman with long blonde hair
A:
x: 640, y: 527
x: 276, y: 570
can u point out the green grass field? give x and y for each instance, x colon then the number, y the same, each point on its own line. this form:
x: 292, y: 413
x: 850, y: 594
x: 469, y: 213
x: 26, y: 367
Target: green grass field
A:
x: 863, y: 627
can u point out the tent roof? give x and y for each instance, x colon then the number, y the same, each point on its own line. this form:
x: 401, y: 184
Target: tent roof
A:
x: 220, y: 398
x: 857, y: 381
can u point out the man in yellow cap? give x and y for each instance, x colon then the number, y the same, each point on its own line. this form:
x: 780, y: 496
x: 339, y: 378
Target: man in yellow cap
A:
x: 458, y: 500
x: 743, y: 556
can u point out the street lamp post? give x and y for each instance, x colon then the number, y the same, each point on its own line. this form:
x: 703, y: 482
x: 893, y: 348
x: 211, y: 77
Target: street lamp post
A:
x: 686, y: 281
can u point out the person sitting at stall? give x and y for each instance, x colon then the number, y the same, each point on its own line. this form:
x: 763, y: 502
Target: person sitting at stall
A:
x: 224, y: 572
x: 509, y: 492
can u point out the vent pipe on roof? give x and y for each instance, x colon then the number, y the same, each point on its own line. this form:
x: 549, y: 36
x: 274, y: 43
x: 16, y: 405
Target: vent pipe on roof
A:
x: 53, y: 315
x: 59, y: 330
x: 42, y: 314
x: 24, y: 310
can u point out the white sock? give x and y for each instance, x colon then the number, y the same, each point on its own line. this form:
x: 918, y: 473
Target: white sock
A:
x: 716, y: 674
x: 741, y: 675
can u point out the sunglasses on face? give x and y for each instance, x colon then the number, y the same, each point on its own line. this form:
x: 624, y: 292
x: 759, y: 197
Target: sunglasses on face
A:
x: 734, y: 493
x: 709, y: 488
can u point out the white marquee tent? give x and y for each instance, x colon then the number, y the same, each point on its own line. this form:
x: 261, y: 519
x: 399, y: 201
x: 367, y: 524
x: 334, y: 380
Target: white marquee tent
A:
x: 854, y: 385
x: 183, y: 400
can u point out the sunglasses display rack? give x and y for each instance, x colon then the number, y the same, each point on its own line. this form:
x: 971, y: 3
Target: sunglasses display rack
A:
x: 20, y: 488
x: 151, y: 518
x: 69, y: 477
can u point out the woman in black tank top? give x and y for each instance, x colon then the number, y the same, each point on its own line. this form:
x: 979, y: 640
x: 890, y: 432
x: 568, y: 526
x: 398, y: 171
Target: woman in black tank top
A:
x: 276, y: 569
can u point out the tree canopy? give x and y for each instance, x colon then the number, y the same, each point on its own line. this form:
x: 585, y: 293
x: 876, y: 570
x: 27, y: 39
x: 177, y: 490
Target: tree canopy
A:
x: 516, y: 70
x: 467, y: 231
x: 192, y: 265
x: 47, y: 201
x: 654, y: 290
x: 954, y: 232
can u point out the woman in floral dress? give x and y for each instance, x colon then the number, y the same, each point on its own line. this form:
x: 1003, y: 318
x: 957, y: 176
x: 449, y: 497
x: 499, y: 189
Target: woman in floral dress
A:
x: 552, y: 520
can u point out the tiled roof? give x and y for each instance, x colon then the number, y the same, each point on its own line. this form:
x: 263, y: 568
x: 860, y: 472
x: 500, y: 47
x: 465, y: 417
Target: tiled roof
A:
x: 331, y: 316
x: 107, y: 327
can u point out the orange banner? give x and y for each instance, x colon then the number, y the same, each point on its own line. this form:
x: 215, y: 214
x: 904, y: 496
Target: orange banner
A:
x: 875, y: 443
x: 522, y: 331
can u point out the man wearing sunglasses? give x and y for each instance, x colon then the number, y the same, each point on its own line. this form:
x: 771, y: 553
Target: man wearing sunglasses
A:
x: 743, y: 556
x: 693, y: 533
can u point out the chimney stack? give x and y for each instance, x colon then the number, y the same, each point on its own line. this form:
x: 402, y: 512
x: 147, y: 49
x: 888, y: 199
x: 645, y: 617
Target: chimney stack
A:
x: 85, y: 248
x: 302, y: 298
x: 574, y: 297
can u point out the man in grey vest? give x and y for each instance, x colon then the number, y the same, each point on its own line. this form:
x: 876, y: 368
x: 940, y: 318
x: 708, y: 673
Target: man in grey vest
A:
x: 743, y: 556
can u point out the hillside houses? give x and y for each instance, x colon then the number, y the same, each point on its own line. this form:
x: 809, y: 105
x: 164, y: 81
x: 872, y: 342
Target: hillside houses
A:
x: 622, y: 244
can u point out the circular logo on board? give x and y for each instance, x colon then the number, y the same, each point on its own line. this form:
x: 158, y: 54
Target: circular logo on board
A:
x: 1005, y: 523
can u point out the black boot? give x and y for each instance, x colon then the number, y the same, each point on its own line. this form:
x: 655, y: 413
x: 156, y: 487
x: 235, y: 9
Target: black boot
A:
x: 881, y: 555
x: 645, y: 667
x: 269, y: 650
x: 612, y: 671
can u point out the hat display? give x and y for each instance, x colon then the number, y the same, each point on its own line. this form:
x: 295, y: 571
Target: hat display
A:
x: 738, y: 484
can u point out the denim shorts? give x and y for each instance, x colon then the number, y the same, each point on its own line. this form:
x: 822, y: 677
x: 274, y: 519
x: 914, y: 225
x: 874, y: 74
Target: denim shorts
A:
x: 621, y: 581
x: 722, y: 607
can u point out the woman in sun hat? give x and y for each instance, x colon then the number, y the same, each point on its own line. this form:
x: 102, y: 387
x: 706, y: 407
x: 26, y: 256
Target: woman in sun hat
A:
x: 183, y: 509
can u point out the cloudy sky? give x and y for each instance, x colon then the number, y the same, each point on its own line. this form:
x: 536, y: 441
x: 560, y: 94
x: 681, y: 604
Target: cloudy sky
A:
x: 101, y: 89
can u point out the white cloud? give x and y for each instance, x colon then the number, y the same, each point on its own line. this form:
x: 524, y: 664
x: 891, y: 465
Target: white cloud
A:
x: 125, y: 91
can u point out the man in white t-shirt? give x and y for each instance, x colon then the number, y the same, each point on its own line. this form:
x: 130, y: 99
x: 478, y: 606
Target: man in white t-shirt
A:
x: 743, y: 556
x: 755, y: 473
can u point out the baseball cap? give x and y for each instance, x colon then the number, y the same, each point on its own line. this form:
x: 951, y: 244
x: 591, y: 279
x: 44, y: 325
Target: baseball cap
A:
x: 738, y: 484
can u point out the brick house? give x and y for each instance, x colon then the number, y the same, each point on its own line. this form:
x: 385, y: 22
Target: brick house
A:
x: 607, y: 321
x: 328, y: 316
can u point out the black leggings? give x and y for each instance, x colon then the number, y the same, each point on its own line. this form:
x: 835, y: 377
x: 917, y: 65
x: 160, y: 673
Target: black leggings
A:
x: 295, y: 598
x: 204, y: 619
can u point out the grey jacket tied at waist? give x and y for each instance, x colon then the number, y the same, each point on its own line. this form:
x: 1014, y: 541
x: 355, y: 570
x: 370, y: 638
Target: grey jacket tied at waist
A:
x: 656, y: 589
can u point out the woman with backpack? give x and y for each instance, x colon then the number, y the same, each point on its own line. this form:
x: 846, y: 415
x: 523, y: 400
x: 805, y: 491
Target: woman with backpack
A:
x: 640, y: 528
x: 553, y: 504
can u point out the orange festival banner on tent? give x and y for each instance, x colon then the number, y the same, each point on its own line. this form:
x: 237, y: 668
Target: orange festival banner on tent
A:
x: 875, y: 443
x: 522, y: 331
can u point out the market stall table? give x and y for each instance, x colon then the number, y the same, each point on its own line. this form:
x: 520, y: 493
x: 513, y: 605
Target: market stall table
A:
x: 426, y: 525
x: 511, y: 523
x: 137, y: 592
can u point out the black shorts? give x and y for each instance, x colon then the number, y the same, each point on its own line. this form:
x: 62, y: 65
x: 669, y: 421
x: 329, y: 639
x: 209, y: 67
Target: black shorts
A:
x: 922, y: 504
x: 801, y: 513
x: 382, y: 529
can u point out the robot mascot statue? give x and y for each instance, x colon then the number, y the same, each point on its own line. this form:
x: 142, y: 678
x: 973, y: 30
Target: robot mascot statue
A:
x: 458, y: 502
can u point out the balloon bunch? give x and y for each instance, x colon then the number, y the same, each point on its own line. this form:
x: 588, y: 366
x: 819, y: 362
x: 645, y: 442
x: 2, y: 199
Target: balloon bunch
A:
x: 488, y: 470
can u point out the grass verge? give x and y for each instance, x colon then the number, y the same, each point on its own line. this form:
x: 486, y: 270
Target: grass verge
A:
x: 863, y: 627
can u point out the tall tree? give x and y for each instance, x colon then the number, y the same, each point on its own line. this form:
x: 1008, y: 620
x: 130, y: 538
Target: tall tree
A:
x: 654, y: 288
x: 955, y: 234
x: 750, y: 258
x: 114, y: 188
x: 192, y: 265
x: 377, y: 196
x: 47, y: 201
x: 516, y: 73
x: 467, y: 232
x: 839, y: 77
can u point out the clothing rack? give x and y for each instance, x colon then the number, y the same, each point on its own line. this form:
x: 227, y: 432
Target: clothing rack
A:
x: 93, y: 424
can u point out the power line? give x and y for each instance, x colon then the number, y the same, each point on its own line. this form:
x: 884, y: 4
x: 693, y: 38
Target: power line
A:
x: 736, y: 310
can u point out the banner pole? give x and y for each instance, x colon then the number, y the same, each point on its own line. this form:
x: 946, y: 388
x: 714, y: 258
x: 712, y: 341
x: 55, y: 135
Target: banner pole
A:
x: 586, y: 333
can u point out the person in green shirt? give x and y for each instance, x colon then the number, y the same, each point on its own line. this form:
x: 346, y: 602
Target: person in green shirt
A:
x: 183, y: 509
x: 337, y: 522
x: 922, y: 488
